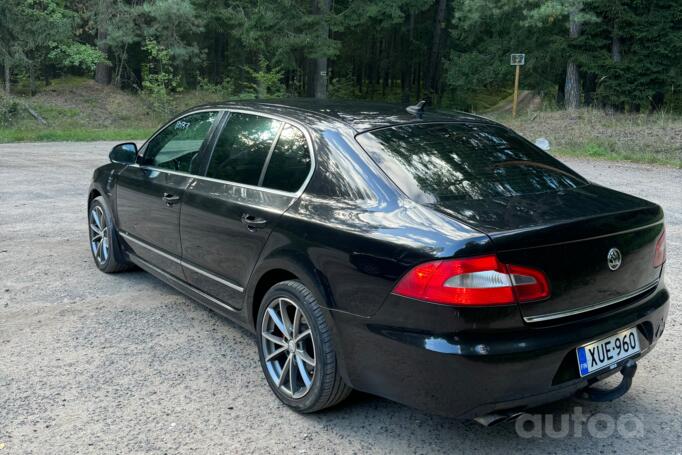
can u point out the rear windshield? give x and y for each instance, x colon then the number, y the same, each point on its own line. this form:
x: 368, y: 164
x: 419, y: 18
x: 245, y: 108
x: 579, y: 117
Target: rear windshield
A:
x: 443, y: 161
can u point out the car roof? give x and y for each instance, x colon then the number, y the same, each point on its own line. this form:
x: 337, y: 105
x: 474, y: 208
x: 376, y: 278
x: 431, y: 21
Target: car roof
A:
x: 357, y: 115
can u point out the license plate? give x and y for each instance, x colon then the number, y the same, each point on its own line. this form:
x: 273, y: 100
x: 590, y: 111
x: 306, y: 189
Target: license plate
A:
x: 607, y: 351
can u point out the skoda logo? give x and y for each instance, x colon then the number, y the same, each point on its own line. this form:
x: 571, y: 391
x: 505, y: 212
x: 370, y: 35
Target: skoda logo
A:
x: 614, y: 258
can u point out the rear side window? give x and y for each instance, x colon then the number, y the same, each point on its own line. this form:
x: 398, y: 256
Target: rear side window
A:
x: 242, y: 148
x: 289, y: 164
x: 438, y: 162
x: 176, y: 147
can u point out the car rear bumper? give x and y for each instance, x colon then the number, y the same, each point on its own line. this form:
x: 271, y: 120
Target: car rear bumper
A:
x: 469, y: 362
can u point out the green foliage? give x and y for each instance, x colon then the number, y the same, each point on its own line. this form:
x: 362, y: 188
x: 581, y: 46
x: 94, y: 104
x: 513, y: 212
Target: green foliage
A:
x: 384, y: 50
x: 224, y: 89
x: 266, y: 81
x: 76, y: 55
x: 343, y: 88
x: 31, y: 29
x: 172, y: 24
x: 159, y: 79
x: 9, y: 109
x: 650, y: 70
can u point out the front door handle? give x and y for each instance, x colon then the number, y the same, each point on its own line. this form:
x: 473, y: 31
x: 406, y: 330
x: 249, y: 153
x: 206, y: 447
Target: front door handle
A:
x: 253, y: 222
x: 170, y: 199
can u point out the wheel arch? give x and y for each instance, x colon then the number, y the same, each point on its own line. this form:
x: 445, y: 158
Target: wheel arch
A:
x: 283, y: 266
x: 94, y: 192
x: 290, y: 265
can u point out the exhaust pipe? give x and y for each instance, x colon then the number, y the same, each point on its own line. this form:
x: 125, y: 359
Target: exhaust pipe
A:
x: 494, y: 418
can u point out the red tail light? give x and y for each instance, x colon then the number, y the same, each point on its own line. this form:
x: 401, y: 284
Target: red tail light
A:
x: 473, y: 281
x: 659, y: 254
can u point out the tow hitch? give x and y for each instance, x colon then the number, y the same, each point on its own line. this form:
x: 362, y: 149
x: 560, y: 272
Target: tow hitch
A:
x: 595, y: 394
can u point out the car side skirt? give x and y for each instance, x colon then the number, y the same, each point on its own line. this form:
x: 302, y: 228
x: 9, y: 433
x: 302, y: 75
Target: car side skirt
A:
x: 212, y: 303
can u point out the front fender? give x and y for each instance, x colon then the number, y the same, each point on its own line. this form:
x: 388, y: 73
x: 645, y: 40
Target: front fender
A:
x: 104, y: 183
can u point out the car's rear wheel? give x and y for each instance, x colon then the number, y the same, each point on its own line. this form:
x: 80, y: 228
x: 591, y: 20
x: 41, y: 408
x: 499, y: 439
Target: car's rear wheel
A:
x: 296, y: 349
x: 104, y: 244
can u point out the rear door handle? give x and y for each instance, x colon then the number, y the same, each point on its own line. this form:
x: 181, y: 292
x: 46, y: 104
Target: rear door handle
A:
x: 253, y: 222
x: 170, y: 199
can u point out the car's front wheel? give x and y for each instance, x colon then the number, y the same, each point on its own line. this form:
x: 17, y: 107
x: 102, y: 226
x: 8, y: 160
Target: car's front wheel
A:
x: 296, y: 349
x: 103, y: 241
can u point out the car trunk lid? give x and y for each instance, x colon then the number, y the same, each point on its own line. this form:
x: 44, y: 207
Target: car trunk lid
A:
x: 568, y: 235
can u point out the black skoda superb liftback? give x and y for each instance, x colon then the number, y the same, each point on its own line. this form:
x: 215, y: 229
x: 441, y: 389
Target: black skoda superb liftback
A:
x: 437, y: 260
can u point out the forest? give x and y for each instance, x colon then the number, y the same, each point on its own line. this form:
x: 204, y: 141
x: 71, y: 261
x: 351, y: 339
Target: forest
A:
x: 620, y: 55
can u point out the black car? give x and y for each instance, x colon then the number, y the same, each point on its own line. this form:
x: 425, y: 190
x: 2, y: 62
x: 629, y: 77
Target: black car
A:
x: 438, y: 260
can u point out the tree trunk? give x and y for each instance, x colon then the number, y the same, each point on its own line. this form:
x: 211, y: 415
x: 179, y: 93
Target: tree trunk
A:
x: 7, y: 75
x: 615, y: 49
x: 430, y: 82
x: 572, y: 87
x: 589, y: 88
x: 310, y: 81
x: 32, y: 79
x: 321, y: 75
x: 46, y: 75
x: 406, y: 63
x: 103, y: 69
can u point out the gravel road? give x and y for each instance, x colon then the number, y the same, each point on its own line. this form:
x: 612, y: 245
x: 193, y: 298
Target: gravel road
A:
x: 93, y: 363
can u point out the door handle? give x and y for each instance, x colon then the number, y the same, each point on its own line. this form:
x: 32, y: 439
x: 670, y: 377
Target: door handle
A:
x: 169, y: 199
x: 253, y: 222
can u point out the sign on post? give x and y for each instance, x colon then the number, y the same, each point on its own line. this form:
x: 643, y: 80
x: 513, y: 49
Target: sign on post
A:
x: 517, y: 60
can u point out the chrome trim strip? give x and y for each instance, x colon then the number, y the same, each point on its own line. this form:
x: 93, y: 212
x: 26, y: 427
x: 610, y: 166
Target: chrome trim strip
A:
x: 596, y: 306
x: 212, y: 276
x: 192, y: 288
x: 150, y: 248
x: 181, y: 262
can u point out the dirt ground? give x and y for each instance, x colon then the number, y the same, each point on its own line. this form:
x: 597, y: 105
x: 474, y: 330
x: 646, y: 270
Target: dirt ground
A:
x: 93, y: 363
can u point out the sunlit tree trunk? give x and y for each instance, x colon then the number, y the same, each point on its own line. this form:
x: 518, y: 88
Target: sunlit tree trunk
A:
x: 572, y: 87
x: 103, y: 68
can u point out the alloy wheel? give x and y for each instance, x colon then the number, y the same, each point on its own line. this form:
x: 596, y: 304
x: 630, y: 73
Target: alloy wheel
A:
x: 99, y: 235
x: 288, y: 347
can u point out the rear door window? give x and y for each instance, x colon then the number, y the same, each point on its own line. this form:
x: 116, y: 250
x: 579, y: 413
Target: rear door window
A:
x: 290, y: 162
x: 242, y: 148
x: 177, y: 146
x: 432, y: 163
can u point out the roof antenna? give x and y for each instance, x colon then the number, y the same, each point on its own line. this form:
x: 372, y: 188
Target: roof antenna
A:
x: 417, y: 110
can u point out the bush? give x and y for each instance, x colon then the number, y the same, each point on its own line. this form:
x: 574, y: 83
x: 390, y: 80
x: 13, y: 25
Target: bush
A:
x: 342, y: 88
x: 9, y: 110
x: 223, y: 90
x: 267, y: 81
x: 159, y: 79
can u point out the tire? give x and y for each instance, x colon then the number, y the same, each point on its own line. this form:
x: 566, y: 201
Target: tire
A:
x: 102, y: 234
x: 326, y: 387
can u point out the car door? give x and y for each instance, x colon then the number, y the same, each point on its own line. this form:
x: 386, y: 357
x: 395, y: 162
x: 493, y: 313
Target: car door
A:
x: 256, y: 170
x: 149, y: 194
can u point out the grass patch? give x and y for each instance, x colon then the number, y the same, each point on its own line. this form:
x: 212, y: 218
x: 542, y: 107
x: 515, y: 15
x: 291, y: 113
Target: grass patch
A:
x: 638, y: 138
x: 601, y: 152
x: 72, y: 135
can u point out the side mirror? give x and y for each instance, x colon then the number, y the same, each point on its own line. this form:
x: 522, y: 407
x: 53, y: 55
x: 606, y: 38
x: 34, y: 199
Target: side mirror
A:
x: 125, y: 153
x: 543, y: 144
